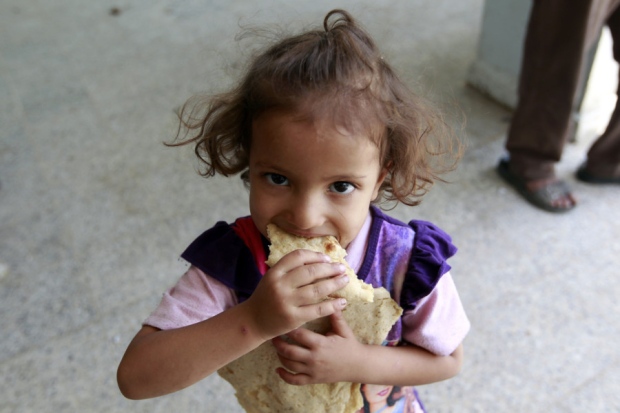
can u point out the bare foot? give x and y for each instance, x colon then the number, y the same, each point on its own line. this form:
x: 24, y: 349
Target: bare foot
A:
x: 550, y: 194
x: 557, y: 199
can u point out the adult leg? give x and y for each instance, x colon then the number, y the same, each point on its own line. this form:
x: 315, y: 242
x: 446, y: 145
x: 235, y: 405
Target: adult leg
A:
x: 603, y: 163
x: 553, y: 55
x: 558, y: 37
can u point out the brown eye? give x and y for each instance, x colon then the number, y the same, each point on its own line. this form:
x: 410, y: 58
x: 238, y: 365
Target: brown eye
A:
x: 342, y: 187
x: 276, y: 179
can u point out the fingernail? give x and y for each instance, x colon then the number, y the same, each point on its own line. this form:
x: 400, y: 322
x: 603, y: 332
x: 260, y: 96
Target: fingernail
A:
x: 346, y: 278
x: 343, y: 302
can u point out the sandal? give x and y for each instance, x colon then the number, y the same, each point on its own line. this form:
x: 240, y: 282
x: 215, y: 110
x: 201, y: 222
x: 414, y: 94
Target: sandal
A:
x: 543, y: 197
x: 585, y: 176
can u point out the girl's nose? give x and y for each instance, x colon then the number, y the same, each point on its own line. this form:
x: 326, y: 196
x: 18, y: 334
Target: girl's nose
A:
x: 306, y: 213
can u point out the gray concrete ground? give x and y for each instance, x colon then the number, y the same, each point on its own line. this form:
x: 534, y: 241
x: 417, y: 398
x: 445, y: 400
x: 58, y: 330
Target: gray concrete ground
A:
x: 94, y: 210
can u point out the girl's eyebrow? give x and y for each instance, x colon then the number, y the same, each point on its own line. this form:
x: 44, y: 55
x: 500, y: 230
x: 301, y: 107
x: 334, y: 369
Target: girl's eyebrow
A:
x: 332, y: 178
x: 345, y: 177
x: 267, y: 165
x: 272, y: 168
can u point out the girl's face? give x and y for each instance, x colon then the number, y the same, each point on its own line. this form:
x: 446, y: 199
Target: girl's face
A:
x: 376, y: 393
x: 310, y: 178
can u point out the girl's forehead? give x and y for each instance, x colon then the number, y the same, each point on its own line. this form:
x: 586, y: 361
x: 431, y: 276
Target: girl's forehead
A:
x: 321, y: 126
x: 303, y: 150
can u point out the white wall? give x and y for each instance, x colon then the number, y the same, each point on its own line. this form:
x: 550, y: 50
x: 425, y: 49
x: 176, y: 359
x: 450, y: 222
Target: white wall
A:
x: 496, y: 69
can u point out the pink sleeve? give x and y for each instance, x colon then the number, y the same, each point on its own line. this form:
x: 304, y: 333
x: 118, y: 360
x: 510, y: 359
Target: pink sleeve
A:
x: 438, y: 322
x: 196, y: 297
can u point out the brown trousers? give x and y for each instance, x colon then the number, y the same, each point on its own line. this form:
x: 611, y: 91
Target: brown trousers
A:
x: 560, y: 35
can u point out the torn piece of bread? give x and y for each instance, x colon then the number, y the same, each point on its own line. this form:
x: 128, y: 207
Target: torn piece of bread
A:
x: 283, y: 243
x: 258, y: 387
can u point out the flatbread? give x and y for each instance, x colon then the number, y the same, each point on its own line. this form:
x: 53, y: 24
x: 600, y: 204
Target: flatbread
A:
x: 369, y: 312
x: 283, y: 243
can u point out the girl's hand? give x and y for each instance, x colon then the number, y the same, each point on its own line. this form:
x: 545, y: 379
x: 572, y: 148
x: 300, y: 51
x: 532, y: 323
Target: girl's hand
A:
x: 294, y: 291
x: 318, y: 358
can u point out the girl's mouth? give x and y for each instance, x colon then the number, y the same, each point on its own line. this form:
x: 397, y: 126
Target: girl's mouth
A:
x: 302, y: 234
x: 384, y: 392
x: 305, y: 234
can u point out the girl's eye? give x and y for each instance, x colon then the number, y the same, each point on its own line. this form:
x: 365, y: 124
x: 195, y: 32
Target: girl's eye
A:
x: 276, y: 179
x: 342, y: 187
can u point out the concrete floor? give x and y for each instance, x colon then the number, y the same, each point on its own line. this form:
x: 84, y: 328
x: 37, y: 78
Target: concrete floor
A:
x: 94, y: 210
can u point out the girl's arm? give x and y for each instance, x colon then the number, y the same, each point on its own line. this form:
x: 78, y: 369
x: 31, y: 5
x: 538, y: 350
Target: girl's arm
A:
x: 406, y: 366
x: 338, y: 356
x: 158, y: 362
x: 291, y: 293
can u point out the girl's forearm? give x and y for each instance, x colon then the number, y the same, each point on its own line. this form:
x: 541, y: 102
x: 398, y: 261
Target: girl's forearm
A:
x: 404, y: 366
x: 161, y: 362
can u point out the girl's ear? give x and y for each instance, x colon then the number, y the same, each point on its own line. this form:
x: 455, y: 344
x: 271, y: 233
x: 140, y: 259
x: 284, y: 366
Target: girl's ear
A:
x: 245, y: 178
x: 382, y: 174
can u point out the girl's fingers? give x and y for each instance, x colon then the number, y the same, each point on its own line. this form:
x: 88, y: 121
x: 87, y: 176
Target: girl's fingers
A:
x: 309, y: 275
x: 296, y: 367
x: 293, y: 298
x: 304, y: 267
x: 289, y: 351
x: 295, y: 379
x: 319, y: 290
x: 299, y: 258
x: 292, y: 356
x: 321, y: 309
x: 339, y: 325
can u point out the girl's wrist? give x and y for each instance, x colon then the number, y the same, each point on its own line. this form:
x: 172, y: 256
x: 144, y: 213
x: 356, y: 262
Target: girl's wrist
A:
x: 357, y: 370
x: 249, y: 325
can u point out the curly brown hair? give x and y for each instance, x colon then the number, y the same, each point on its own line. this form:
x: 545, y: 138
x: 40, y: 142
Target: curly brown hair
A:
x: 336, y: 72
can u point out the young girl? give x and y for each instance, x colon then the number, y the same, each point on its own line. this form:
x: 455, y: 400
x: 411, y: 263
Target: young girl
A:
x: 321, y: 129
